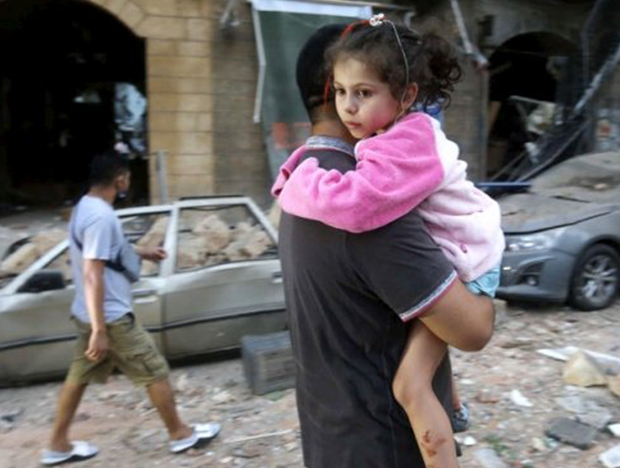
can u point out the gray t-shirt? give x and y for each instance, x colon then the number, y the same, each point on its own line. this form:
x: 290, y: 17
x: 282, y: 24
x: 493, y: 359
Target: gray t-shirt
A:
x: 95, y: 225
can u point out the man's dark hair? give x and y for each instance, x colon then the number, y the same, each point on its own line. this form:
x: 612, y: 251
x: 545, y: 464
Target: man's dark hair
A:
x: 107, y: 166
x: 312, y: 70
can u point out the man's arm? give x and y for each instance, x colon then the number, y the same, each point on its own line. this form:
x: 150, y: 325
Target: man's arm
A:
x: 94, y: 292
x: 461, y: 319
x: 154, y: 254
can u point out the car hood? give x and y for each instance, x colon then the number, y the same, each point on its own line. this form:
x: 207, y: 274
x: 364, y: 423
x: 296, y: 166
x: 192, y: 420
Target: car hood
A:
x: 531, y: 212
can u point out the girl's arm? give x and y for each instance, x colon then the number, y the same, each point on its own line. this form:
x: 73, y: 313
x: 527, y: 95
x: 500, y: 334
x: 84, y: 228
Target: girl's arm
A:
x: 395, y: 172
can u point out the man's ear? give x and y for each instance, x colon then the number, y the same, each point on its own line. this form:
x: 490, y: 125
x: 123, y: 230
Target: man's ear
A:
x: 410, y: 96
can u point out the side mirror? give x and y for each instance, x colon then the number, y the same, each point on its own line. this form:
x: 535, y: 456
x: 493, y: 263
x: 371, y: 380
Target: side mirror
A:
x: 49, y: 280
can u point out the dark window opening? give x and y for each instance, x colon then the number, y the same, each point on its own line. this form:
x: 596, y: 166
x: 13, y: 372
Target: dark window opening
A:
x: 524, y: 76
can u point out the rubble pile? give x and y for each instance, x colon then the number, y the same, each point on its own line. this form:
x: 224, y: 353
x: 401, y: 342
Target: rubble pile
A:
x: 524, y: 413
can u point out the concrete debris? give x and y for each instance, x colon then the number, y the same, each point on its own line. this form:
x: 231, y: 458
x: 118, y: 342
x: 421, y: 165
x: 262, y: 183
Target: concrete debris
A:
x: 588, y: 411
x: 519, y: 399
x: 19, y: 260
x: 606, y: 362
x: 611, y: 457
x: 215, y: 233
x: 583, y: 371
x: 488, y: 458
x: 614, y: 429
x: 469, y: 441
x: 571, y: 432
x: 539, y: 445
x: 156, y: 234
x: 613, y: 382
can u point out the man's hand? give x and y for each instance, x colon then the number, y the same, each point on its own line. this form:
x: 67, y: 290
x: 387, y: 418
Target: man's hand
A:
x: 154, y: 254
x: 98, y: 345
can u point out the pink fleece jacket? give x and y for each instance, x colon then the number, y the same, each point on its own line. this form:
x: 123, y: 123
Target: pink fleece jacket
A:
x: 411, y: 165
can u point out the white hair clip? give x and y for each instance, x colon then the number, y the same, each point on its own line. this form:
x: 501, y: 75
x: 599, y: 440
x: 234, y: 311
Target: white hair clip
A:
x: 377, y: 20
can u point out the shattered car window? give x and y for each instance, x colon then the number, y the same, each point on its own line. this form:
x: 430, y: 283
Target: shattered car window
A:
x: 25, y: 252
x: 215, y: 235
x: 147, y: 230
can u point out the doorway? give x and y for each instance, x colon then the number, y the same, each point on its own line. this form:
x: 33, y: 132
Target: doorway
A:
x: 524, y: 76
x: 62, y: 62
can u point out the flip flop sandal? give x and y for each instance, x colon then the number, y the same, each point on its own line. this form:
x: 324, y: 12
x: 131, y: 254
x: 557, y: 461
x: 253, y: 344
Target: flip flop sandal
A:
x: 202, y: 435
x: 80, y: 451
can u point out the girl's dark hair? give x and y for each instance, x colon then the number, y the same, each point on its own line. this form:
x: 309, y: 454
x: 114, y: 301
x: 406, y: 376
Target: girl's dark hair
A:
x: 433, y: 62
x: 106, y: 166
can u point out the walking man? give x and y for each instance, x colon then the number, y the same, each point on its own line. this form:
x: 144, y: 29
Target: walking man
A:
x: 109, y: 335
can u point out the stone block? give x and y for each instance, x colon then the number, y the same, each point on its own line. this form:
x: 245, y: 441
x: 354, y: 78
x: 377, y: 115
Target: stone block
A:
x: 268, y: 362
x: 187, y: 143
x: 183, y: 164
x: 156, y: 234
x: 158, y: 7
x: 611, y: 457
x: 488, y: 458
x: 161, y: 47
x: 194, y: 48
x: 179, y: 85
x: 185, y: 67
x: 191, y: 253
x: 581, y: 370
x: 190, y: 185
x: 162, y: 27
x: 195, y: 8
x: 248, y: 245
x: 571, y: 432
x: 180, y: 102
x: 174, y: 121
x: 199, y: 29
x: 214, y: 231
x: 613, y: 382
x: 131, y: 14
x: 115, y: 6
x: 45, y: 240
x: 19, y: 260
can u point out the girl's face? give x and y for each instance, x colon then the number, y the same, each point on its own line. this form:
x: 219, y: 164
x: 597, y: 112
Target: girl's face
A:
x: 364, y: 102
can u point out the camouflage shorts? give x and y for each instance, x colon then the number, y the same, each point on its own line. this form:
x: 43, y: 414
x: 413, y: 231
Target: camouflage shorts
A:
x: 132, y: 351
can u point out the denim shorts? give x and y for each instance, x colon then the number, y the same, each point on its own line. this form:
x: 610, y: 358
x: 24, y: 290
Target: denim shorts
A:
x: 486, y: 284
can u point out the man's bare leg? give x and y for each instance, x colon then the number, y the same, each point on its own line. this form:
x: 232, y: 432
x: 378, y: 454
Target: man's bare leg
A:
x: 68, y: 402
x: 162, y: 397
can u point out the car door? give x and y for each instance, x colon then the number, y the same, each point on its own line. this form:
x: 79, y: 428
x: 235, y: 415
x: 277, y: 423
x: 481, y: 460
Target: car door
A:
x: 35, y: 332
x: 226, y: 281
x: 149, y: 227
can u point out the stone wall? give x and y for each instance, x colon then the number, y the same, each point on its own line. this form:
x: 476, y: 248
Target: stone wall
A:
x: 200, y: 84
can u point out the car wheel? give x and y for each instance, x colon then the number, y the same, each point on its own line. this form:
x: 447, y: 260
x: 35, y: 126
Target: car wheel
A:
x: 596, y: 278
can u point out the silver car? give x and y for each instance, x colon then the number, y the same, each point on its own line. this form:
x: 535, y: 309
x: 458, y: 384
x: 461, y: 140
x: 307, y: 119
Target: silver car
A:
x: 563, y: 236
x: 221, y: 280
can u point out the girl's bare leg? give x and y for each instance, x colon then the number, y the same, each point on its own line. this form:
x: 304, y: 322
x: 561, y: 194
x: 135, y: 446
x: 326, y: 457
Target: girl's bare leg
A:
x: 413, y: 390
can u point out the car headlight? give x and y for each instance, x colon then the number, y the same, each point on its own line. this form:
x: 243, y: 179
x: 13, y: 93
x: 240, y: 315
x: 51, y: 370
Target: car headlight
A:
x: 532, y: 242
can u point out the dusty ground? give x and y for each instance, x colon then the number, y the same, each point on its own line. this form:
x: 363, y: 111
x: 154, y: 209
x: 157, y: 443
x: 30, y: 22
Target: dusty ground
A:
x: 263, y: 431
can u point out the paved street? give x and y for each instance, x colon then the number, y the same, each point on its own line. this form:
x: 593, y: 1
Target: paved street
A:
x: 263, y: 431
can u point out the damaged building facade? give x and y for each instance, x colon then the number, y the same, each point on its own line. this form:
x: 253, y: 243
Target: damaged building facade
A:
x: 178, y: 82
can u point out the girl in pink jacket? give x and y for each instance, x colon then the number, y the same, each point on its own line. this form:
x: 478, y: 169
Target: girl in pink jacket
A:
x: 404, y: 161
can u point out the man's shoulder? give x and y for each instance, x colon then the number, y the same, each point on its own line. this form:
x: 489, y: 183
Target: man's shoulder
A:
x: 91, y: 211
x: 330, y: 158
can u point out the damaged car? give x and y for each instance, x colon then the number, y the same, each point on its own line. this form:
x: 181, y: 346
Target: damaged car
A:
x: 563, y: 235
x: 221, y: 280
